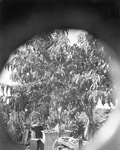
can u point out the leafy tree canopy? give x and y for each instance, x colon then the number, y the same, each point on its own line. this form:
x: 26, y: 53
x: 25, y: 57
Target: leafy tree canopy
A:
x: 53, y: 74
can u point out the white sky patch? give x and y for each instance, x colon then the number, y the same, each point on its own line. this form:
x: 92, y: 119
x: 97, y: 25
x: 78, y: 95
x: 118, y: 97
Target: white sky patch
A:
x: 105, y: 106
x: 5, y: 77
x: 72, y: 35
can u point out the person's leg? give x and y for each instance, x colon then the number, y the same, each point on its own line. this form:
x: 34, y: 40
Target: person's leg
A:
x: 22, y: 19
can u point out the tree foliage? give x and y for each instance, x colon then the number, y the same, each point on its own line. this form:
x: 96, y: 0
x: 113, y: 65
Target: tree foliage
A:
x: 52, y: 74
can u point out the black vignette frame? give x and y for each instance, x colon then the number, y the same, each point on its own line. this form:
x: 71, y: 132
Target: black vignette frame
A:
x: 22, y: 19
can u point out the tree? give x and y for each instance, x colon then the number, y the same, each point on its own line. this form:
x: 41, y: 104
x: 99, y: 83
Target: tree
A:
x: 52, y: 74
x: 91, y: 77
x: 33, y: 69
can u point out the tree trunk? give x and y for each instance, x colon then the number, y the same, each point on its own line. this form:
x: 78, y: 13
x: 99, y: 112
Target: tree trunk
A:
x: 90, y: 128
